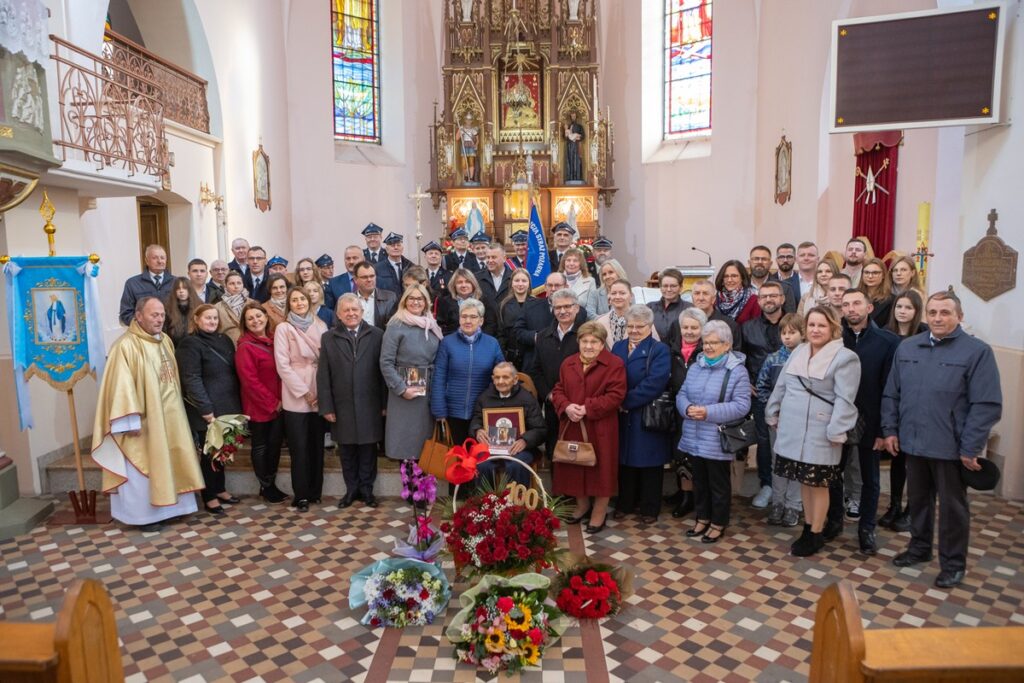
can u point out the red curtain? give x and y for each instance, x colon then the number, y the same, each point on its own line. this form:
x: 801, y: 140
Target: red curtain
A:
x: 874, y: 214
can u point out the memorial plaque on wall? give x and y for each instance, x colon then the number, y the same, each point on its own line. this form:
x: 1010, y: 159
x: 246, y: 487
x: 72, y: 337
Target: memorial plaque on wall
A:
x: 990, y: 266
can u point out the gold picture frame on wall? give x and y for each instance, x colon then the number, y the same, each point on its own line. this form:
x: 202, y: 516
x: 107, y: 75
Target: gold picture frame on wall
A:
x: 261, y: 179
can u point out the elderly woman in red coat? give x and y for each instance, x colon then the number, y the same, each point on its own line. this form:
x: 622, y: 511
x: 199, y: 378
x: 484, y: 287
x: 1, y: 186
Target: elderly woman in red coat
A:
x: 591, y: 387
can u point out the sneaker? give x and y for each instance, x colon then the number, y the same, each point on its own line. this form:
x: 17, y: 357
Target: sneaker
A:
x: 328, y: 442
x: 790, y: 517
x: 775, y: 516
x: 853, y: 510
x: 763, y: 497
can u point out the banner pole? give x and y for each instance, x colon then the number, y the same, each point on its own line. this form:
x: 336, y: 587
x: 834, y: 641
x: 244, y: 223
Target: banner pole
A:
x: 75, y: 441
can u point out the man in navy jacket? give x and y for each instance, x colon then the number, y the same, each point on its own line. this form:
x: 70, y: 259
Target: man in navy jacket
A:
x: 941, y: 401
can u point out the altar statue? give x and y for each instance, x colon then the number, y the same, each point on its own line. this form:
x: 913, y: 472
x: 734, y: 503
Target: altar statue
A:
x: 573, y: 159
x: 468, y: 135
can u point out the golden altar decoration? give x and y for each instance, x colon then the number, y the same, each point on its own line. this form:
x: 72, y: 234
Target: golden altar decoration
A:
x: 520, y: 120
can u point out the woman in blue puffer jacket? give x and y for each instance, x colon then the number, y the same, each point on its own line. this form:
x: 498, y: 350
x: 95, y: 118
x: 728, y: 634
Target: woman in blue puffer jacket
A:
x: 716, y: 391
x: 462, y: 370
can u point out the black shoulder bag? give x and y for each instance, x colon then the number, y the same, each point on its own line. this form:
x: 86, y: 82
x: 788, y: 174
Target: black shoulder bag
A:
x: 660, y: 415
x: 737, y: 435
x: 854, y: 435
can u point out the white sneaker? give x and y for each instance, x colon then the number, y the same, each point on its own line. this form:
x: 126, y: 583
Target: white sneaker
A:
x: 763, y: 497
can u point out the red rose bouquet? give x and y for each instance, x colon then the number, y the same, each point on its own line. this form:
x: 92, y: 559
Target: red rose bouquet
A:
x: 492, y: 535
x: 591, y: 591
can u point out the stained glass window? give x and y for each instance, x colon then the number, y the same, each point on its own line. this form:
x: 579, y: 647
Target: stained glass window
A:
x: 687, y: 67
x: 356, y: 61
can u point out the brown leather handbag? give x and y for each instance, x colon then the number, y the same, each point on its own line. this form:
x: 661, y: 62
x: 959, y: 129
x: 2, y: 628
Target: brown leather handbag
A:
x: 435, y: 449
x: 575, y: 452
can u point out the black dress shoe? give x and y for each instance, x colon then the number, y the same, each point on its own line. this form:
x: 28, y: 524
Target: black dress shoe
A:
x: 577, y: 520
x: 698, y: 530
x: 371, y: 502
x: 891, y: 513
x: 684, y: 506
x: 908, y: 559
x: 948, y: 578
x: 832, y: 530
x: 708, y: 538
x: 591, y: 529
x: 868, y: 545
x: 219, y: 510
x: 302, y: 505
x: 902, y: 522
x: 649, y: 519
x: 273, y: 495
x: 232, y: 500
x: 155, y: 526
x: 346, y: 501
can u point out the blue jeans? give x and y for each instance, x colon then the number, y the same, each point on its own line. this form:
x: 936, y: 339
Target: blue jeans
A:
x: 513, y: 471
x: 764, y: 447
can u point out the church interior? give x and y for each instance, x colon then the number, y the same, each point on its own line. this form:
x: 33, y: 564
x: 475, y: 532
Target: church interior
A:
x: 294, y: 124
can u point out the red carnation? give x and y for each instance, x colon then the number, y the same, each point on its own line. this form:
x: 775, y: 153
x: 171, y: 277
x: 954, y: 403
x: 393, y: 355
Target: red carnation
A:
x: 505, y: 604
x: 536, y: 636
x: 424, y: 594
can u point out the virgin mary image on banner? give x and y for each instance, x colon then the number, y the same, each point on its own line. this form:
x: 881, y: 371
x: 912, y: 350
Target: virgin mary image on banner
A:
x: 55, y: 315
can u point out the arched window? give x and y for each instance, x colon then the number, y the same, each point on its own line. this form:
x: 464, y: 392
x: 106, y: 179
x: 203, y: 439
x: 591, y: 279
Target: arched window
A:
x: 356, y: 62
x: 687, y: 61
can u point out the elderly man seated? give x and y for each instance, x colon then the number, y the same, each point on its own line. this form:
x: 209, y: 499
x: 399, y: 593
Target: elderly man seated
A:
x: 507, y: 400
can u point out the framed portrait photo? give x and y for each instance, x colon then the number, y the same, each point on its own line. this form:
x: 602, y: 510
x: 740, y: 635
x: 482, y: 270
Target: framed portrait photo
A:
x: 504, y: 426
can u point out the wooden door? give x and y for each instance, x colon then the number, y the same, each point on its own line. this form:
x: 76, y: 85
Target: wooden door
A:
x: 153, y: 230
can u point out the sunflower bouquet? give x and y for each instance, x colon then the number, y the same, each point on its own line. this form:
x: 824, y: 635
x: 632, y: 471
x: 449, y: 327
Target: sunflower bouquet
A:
x: 505, y: 624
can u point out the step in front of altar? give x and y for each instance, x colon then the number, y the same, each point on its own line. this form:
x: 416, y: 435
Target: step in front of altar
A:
x: 61, y: 476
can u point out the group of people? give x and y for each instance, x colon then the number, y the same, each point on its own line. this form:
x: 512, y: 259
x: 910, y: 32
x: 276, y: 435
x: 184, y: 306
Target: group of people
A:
x: 828, y: 358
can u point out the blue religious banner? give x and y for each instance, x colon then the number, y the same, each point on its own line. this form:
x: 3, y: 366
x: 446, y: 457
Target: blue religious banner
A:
x: 537, y: 261
x: 53, y: 316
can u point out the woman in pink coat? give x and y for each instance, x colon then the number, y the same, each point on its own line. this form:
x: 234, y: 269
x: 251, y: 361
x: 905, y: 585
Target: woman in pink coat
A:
x: 297, y: 353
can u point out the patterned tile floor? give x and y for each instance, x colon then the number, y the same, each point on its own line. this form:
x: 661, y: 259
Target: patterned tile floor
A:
x: 261, y: 595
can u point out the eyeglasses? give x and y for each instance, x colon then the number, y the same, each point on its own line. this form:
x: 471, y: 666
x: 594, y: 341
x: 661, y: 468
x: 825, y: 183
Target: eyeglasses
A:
x: 769, y: 296
x: 709, y: 342
x: 257, y: 258
x: 469, y: 316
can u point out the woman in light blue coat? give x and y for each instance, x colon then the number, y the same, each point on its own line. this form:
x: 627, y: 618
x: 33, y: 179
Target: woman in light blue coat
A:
x: 812, y: 405
x: 716, y: 392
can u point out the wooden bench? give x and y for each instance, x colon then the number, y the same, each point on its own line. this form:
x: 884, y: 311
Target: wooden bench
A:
x: 80, y: 647
x: 844, y: 652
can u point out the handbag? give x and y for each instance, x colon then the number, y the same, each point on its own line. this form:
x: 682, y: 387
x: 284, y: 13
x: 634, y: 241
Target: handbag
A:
x: 432, y: 456
x: 739, y: 434
x: 854, y: 435
x: 660, y: 415
x: 574, y: 452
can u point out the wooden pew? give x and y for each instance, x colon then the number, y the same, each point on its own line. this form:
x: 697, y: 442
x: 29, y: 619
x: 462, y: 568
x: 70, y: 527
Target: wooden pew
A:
x: 844, y: 652
x: 80, y: 647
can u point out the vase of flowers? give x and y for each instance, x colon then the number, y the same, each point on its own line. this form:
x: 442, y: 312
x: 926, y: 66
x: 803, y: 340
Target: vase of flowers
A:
x: 419, y: 489
x: 224, y: 436
x: 399, y: 592
x: 591, y: 590
x: 505, y: 624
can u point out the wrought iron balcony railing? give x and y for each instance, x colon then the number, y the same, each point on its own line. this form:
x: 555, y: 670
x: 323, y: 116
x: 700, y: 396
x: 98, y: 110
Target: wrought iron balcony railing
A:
x: 109, y: 115
x: 184, y: 93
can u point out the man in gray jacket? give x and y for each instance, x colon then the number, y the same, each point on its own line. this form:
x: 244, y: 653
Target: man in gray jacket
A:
x: 941, y: 400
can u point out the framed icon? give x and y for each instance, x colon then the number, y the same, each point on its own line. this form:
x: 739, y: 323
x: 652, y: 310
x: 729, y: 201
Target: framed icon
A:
x: 504, y: 426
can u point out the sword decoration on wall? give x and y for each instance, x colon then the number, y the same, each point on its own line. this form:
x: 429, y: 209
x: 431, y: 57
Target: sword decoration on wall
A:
x: 871, y: 183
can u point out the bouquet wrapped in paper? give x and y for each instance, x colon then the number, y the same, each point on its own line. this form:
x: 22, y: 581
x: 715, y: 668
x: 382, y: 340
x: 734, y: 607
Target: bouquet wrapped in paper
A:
x: 224, y: 436
x: 399, y: 592
x: 419, y: 489
x: 505, y: 624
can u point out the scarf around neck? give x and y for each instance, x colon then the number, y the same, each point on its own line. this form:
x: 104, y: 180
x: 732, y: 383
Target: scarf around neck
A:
x: 280, y: 303
x: 733, y: 303
x: 234, y: 302
x: 301, y: 322
x: 618, y: 323
x: 426, y: 322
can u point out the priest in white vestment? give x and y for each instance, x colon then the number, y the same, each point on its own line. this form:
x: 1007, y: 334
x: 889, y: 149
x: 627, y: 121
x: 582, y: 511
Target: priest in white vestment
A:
x: 141, y: 438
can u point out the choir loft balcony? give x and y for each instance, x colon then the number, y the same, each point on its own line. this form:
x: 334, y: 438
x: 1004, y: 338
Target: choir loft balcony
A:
x: 112, y: 110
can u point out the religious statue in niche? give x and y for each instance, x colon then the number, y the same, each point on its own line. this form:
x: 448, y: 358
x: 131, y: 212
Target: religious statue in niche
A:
x: 467, y: 11
x: 521, y: 102
x: 469, y: 136
x: 261, y: 179
x: 783, y: 170
x: 573, y: 158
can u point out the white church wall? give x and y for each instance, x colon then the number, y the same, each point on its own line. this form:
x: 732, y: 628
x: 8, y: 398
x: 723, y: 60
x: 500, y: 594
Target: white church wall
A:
x: 246, y: 44
x: 339, y: 188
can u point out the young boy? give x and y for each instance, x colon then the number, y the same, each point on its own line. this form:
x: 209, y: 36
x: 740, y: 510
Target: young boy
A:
x: 786, y: 505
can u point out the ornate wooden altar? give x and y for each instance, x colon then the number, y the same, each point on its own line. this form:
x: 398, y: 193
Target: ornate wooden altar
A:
x: 521, y: 118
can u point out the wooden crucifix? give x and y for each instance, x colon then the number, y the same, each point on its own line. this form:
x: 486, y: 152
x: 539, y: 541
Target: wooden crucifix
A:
x: 419, y: 195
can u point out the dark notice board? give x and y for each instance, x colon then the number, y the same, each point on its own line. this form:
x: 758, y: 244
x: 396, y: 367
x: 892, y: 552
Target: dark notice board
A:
x: 917, y: 69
